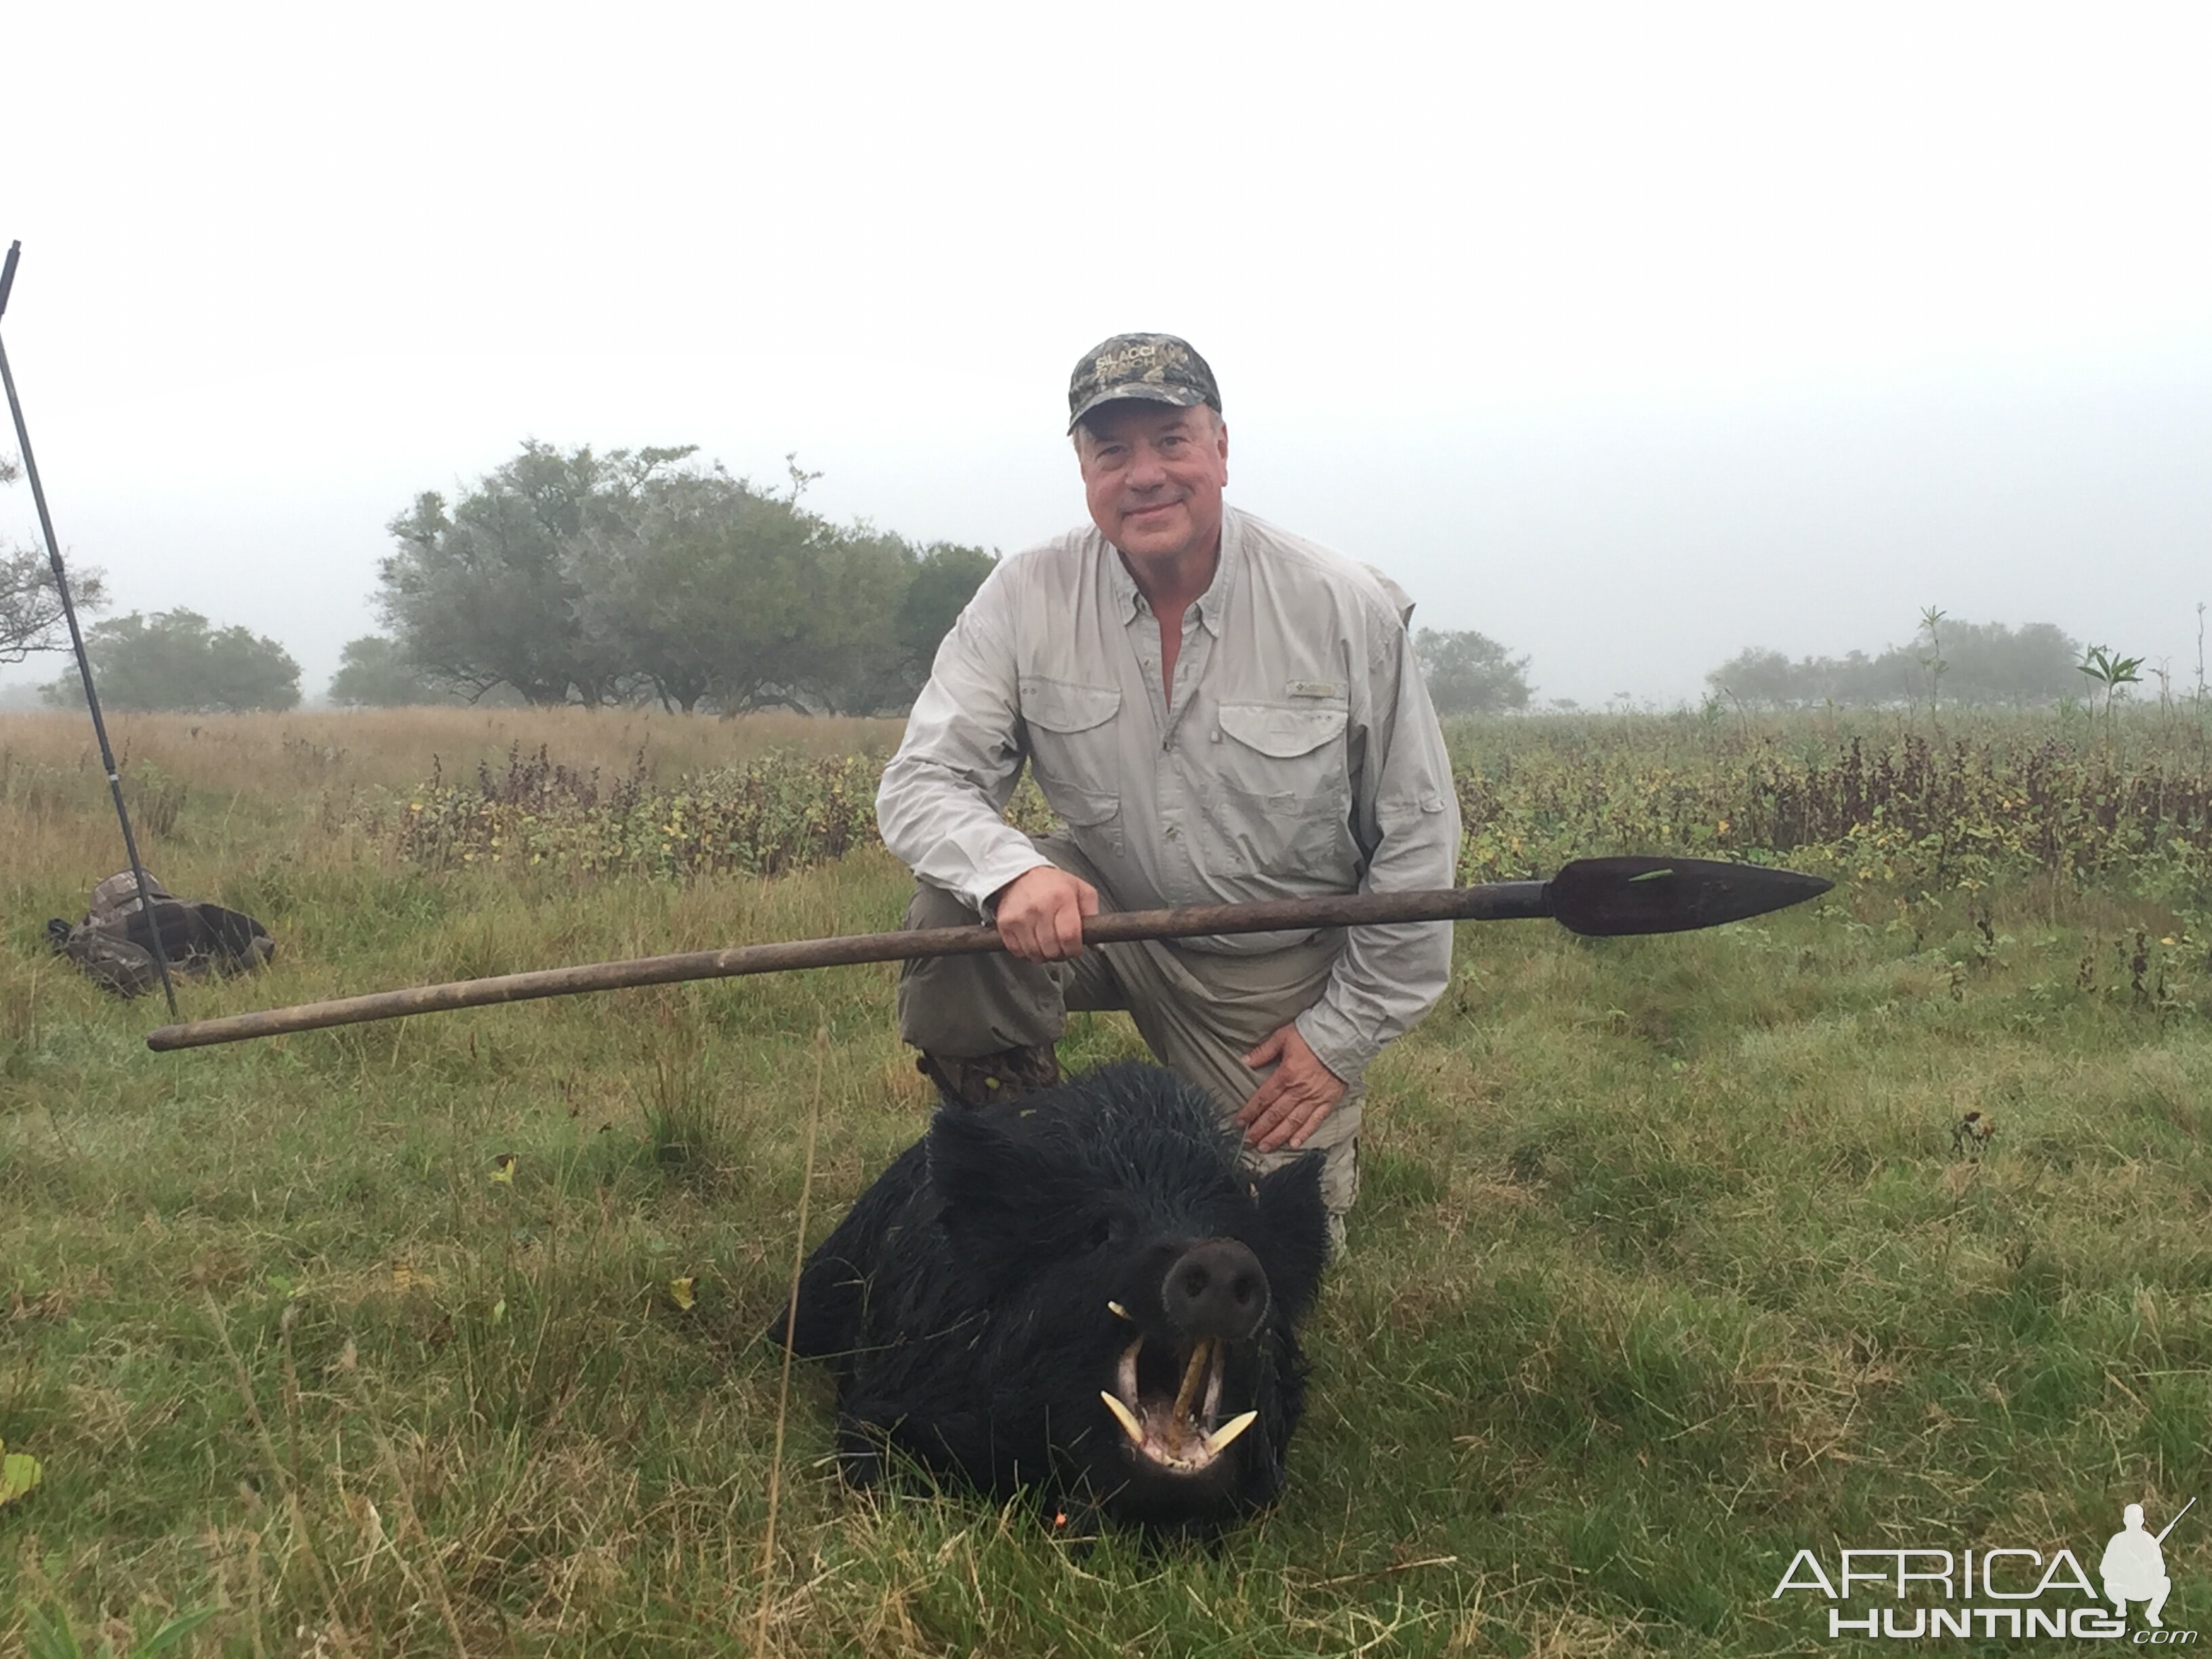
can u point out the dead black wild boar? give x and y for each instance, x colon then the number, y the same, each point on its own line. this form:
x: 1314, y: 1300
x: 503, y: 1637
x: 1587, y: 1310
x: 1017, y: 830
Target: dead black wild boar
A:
x: 1078, y: 1293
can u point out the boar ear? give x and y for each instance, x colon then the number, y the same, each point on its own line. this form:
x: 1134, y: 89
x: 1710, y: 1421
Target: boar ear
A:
x: 1295, y: 1223
x: 995, y: 1181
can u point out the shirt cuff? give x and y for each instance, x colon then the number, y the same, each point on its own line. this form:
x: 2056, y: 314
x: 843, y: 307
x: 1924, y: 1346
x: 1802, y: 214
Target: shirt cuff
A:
x: 1017, y: 859
x: 1337, y: 1043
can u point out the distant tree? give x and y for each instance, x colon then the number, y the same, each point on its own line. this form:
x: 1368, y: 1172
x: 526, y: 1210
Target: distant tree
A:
x: 1989, y: 663
x: 30, y: 603
x: 487, y: 592
x: 945, y: 579
x: 1894, y: 678
x: 1469, y: 673
x: 717, y: 593
x: 704, y: 588
x: 1983, y: 664
x: 852, y: 661
x: 374, y: 673
x: 177, y: 659
x: 1759, y: 677
x: 899, y: 603
x: 587, y: 578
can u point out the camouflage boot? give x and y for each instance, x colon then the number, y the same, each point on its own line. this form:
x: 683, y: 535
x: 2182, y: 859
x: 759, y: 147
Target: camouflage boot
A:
x: 987, y: 1078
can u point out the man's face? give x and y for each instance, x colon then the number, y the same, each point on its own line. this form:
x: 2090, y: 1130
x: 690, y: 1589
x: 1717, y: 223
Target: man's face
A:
x: 1153, y: 475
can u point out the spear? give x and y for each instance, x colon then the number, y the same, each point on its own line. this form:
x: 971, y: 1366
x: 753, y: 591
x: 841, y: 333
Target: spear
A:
x: 1598, y: 897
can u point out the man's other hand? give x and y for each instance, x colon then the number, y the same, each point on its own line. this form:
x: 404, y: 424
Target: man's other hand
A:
x: 1039, y: 914
x: 1297, y: 1095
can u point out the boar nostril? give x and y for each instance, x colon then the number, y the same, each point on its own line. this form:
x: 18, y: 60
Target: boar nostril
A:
x: 1215, y: 1289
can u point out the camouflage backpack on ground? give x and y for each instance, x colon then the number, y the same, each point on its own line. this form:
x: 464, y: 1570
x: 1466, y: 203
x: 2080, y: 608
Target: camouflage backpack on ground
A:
x: 114, y: 943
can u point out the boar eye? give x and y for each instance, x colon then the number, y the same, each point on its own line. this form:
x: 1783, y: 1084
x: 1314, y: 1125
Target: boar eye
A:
x: 1100, y: 1235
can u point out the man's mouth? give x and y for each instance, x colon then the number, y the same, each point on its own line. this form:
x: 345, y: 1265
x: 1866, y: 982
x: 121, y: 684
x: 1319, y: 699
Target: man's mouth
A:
x: 1149, y: 512
x: 1182, y: 1432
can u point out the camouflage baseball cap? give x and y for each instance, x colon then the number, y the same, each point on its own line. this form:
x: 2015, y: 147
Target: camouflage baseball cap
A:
x: 1159, y: 367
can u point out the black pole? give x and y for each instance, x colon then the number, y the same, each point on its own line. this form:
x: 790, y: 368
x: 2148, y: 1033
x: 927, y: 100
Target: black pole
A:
x: 76, y: 644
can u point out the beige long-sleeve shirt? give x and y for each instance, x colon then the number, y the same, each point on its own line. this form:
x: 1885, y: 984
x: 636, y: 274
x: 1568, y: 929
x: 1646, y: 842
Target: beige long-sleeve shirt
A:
x: 1299, y: 757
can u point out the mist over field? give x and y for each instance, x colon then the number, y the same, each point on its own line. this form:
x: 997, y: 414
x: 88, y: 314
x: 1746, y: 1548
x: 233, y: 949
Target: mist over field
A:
x: 1629, y: 342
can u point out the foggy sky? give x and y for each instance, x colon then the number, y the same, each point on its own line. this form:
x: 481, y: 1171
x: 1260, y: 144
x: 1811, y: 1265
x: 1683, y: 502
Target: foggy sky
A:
x: 1629, y: 335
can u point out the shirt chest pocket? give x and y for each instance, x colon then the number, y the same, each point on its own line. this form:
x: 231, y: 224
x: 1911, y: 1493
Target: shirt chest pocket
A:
x: 1282, y: 803
x: 1074, y: 747
x: 1285, y: 759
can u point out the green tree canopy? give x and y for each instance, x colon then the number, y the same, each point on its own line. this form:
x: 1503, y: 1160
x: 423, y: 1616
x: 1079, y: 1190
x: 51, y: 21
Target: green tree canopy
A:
x: 1470, y: 673
x: 887, y: 606
x: 945, y: 577
x: 582, y: 578
x: 178, y: 659
x: 702, y: 587
x: 374, y: 673
x: 487, y: 592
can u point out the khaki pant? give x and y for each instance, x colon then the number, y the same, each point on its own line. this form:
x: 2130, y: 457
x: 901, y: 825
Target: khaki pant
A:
x: 1199, y: 1013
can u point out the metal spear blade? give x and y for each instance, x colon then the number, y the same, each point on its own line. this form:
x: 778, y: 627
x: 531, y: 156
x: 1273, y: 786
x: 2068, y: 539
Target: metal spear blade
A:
x: 1606, y: 897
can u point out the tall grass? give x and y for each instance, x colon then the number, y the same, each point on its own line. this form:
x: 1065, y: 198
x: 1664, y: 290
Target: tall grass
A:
x: 1666, y: 1262
x: 393, y: 748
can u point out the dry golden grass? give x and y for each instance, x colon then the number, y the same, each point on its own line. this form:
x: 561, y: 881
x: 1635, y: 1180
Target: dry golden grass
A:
x: 214, y: 795
x: 396, y: 747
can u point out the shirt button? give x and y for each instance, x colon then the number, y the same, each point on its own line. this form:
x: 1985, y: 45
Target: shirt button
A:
x: 1171, y: 832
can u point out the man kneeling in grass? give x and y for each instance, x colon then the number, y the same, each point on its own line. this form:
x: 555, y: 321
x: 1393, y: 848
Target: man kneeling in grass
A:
x: 1218, y: 712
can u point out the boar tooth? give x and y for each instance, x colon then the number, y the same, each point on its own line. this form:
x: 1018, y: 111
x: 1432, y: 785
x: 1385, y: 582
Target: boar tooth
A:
x: 1212, y: 1409
x: 1199, y: 1353
x: 1125, y: 1418
x: 1117, y: 1310
x: 1125, y: 1376
x: 1217, y: 1442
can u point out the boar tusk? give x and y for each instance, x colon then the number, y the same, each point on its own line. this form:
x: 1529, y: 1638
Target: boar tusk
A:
x: 1117, y: 1310
x: 1124, y: 1417
x: 1201, y: 1352
x: 1217, y: 1442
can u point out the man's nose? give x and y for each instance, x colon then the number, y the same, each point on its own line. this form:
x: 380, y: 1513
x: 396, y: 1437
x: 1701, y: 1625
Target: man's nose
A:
x: 1145, y: 470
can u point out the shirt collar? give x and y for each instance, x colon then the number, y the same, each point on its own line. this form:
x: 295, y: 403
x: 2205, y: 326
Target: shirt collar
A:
x: 1212, y: 605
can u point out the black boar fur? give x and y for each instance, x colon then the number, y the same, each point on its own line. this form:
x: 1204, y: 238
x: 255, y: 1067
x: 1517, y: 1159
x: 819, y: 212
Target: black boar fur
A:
x: 994, y: 1282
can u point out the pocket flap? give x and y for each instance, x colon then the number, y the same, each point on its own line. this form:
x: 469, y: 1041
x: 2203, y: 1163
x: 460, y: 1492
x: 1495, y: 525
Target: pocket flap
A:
x: 1064, y: 706
x: 1282, y: 732
x: 1085, y: 809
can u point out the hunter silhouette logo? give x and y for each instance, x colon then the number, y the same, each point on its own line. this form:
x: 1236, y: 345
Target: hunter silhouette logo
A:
x: 2007, y: 1590
x: 2134, y: 1567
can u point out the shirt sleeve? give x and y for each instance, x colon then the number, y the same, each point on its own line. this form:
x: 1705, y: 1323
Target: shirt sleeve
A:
x: 941, y: 804
x: 1405, y: 815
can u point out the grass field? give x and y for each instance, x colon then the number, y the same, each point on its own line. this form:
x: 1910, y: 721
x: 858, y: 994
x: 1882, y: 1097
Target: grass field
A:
x: 1666, y: 1265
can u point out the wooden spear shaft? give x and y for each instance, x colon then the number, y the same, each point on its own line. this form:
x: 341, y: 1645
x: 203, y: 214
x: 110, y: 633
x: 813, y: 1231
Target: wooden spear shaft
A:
x: 1493, y: 901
